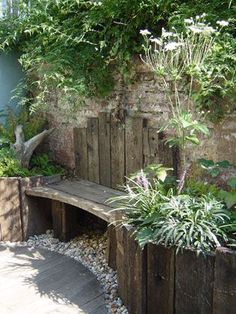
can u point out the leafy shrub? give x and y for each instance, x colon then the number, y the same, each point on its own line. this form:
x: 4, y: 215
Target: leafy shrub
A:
x: 198, y: 188
x: 32, y: 124
x: 77, y: 45
x: 183, y: 221
x: 10, y: 166
x: 42, y: 164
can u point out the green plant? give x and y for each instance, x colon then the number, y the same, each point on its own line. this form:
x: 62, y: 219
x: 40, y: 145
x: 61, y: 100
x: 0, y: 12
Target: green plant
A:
x: 10, y: 166
x: 214, y: 168
x: 32, y: 124
x: 77, y: 46
x: 198, y: 188
x: 182, y: 221
x: 42, y: 164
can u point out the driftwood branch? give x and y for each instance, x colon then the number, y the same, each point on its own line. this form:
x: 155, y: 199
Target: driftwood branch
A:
x: 24, y: 150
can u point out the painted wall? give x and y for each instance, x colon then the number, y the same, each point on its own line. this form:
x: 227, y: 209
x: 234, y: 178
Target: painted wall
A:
x: 10, y: 75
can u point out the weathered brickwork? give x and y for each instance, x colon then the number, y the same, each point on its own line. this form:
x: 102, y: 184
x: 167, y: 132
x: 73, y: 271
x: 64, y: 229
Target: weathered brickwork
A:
x: 144, y: 97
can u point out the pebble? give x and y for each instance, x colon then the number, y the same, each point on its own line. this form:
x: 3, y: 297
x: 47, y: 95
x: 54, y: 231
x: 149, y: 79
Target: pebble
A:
x: 90, y: 250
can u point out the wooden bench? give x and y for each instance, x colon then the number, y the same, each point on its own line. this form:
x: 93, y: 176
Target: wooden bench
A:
x: 109, y: 149
x: 82, y: 194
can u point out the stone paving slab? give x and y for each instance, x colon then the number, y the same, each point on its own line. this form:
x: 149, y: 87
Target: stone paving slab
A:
x: 37, y: 281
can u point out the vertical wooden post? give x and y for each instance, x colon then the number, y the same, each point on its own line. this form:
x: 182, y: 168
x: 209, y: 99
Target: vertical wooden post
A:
x: 111, y: 246
x: 105, y: 148
x: 194, y: 283
x: 81, y: 153
x: 117, y: 153
x: 137, y: 275
x: 121, y: 263
x: 59, y: 220
x: 133, y: 144
x: 160, y: 279
x: 10, y: 217
x: 225, y: 282
x: 93, y: 154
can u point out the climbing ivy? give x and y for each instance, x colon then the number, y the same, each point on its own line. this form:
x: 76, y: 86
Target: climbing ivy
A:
x: 78, y: 45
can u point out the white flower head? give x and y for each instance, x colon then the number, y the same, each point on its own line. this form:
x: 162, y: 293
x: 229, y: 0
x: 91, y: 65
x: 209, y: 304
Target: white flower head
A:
x: 208, y: 30
x: 167, y: 34
x: 172, y: 46
x: 189, y: 21
x: 156, y: 41
x: 145, y: 32
x: 222, y: 23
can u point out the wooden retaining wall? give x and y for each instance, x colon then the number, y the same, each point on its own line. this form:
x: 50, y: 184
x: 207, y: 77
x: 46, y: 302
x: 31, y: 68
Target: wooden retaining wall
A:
x: 17, y: 219
x: 112, y: 148
x: 157, y: 281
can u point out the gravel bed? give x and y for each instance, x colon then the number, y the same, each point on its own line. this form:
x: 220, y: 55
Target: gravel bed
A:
x: 90, y: 250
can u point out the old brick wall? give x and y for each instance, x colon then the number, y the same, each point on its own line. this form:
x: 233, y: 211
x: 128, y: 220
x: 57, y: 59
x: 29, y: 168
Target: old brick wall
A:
x: 144, y: 97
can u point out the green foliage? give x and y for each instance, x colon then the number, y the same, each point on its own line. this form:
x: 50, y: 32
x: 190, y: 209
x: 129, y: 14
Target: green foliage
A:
x: 10, y: 166
x: 32, y: 124
x: 42, y: 164
x: 186, y: 130
x: 198, y: 188
x: 214, y: 168
x: 182, y: 221
x: 78, y: 45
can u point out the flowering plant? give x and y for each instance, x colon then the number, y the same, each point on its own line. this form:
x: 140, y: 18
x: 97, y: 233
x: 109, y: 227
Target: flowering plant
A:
x: 179, y: 59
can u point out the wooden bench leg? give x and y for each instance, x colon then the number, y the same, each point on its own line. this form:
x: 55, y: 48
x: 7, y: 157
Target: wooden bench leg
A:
x: 111, y: 246
x: 59, y: 220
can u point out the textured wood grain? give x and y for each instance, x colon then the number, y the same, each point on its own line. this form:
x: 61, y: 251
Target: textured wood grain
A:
x: 137, y: 275
x: 133, y: 144
x: 194, y: 283
x: 153, y: 141
x: 160, y: 280
x: 93, y: 150
x: 225, y: 282
x: 10, y: 208
x: 117, y: 153
x: 81, y: 153
x: 42, y: 282
x: 122, y: 264
x: 105, y: 148
x: 86, y: 195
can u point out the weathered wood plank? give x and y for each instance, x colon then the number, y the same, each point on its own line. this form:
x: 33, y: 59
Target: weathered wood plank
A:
x: 194, y: 283
x: 153, y: 141
x: 146, y: 149
x: 81, y: 152
x: 64, y: 286
x: 165, y: 153
x: 111, y: 246
x: 93, y: 154
x: 122, y: 263
x: 137, y: 275
x: 225, y: 282
x: 133, y: 144
x: 105, y: 148
x: 10, y: 216
x: 33, y: 221
x: 160, y: 279
x: 59, y: 220
x: 117, y: 153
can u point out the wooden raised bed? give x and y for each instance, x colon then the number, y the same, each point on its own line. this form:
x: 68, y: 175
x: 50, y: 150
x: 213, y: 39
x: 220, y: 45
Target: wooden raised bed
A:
x: 17, y: 219
x: 156, y: 280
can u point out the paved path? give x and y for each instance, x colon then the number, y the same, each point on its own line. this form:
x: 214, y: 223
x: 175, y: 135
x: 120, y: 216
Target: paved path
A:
x: 37, y: 281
